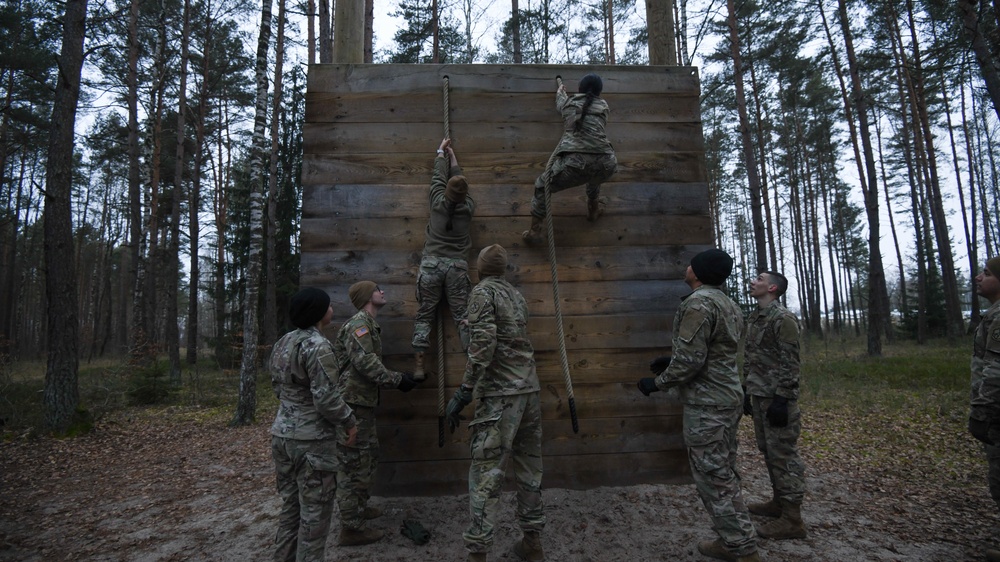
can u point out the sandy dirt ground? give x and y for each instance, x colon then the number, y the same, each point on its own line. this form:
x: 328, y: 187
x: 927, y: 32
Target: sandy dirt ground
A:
x: 140, y: 489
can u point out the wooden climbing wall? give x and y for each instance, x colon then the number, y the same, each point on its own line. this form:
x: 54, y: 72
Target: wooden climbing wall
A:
x: 370, y: 139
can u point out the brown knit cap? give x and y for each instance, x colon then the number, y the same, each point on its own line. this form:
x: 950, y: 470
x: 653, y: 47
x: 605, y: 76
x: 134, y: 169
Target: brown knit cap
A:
x: 492, y: 261
x: 457, y: 189
x: 360, y: 293
x: 993, y: 264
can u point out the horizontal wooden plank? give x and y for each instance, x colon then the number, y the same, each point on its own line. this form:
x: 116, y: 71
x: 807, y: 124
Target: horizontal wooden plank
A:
x: 340, y: 268
x: 574, y: 472
x: 336, y: 234
x: 471, y: 139
x: 651, y: 165
x: 419, y: 442
x: 501, y: 200
x: 533, y: 78
x: 471, y: 107
x: 633, y: 331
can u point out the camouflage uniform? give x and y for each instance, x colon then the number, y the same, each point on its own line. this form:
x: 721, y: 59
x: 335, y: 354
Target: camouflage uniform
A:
x: 986, y: 387
x: 771, y: 361
x: 359, y: 349
x: 444, y: 270
x: 508, y: 416
x: 703, y: 371
x: 303, y: 374
x: 584, y: 157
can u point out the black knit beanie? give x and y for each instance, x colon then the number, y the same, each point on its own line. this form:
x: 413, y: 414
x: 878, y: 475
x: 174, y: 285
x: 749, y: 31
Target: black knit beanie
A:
x: 308, y: 307
x: 712, y: 267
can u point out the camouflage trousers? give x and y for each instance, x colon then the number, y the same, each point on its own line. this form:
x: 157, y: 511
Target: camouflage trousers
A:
x: 306, y: 474
x: 446, y: 278
x: 781, y: 451
x: 571, y: 169
x: 993, y: 475
x: 357, y: 470
x: 710, y: 436
x: 505, y: 428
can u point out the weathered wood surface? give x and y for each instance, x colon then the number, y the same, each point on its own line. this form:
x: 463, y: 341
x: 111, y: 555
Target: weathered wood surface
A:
x: 369, y: 145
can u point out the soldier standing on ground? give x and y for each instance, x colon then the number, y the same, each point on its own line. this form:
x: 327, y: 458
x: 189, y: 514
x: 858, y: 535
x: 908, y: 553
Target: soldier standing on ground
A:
x: 771, y: 364
x: 359, y: 349
x: 303, y: 437
x: 444, y: 271
x: 984, y: 418
x: 706, y: 379
x: 507, y: 425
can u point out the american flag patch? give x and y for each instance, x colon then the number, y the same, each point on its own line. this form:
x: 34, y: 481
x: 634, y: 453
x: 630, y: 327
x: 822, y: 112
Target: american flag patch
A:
x: 362, y: 331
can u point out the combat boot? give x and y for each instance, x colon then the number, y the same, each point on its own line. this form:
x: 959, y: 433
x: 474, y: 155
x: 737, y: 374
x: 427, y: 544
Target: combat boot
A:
x: 788, y: 526
x: 534, y: 233
x: 372, y: 512
x: 716, y: 549
x: 595, y: 208
x: 418, y: 367
x: 529, y: 547
x: 992, y: 555
x: 770, y: 508
x: 476, y: 557
x: 353, y: 537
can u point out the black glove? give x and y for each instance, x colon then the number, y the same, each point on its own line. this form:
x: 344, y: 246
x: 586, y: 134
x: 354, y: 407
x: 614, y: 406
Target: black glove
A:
x: 648, y: 385
x: 414, y: 531
x: 777, y: 412
x: 459, y: 401
x: 986, y: 431
x: 660, y: 364
x: 747, y: 404
x: 407, y: 383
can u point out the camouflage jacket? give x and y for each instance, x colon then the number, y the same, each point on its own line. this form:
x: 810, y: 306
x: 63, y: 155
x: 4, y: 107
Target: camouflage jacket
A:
x: 986, y: 366
x: 591, y: 138
x: 303, y: 374
x: 771, y: 353
x: 439, y: 242
x: 707, y: 330
x: 501, y: 361
x: 359, y: 350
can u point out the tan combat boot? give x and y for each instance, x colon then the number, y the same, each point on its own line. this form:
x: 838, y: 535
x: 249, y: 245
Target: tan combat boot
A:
x: 352, y: 537
x: 529, y: 547
x: 533, y: 234
x: 992, y: 555
x: 418, y: 367
x: 716, y: 549
x: 595, y: 208
x: 788, y: 526
x: 770, y: 508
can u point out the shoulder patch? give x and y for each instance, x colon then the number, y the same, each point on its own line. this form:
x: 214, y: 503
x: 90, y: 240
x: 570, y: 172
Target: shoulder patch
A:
x: 361, y: 332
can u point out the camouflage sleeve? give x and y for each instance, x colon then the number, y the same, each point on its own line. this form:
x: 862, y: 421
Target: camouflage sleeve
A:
x: 482, y: 336
x: 787, y: 366
x: 989, y: 390
x: 320, y: 365
x: 690, y: 348
x: 561, y: 98
x: 366, y: 362
x: 439, y: 181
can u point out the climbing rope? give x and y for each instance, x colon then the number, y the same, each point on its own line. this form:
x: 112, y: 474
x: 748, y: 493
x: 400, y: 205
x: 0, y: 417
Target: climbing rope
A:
x: 550, y: 235
x: 440, y: 312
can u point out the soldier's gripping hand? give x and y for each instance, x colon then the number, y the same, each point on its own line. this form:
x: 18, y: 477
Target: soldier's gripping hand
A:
x: 987, y: 431
x: 406, y: 383
x: 461, y: 399
x: 660, y: 364
x: 352, y: 436
x: 777, y: 412
x: 647, y: 385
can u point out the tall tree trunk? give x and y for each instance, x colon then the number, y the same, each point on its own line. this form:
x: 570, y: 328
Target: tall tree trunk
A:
x: 903, y: 303
x: 246, y: 409
x: 611, y: 31
x: 138, y: 334
x: 435, y: 31
x: 62, y: 392
x: 973, y: 248
x: 172, y: 256
x: 194, y: 201
x: 325, y: 32
x: 878, y: 298
x: 515, y: 24
x: 270, y: 305
x: 749, y: 159
x: 989, y: 63
x: 370, y: 31
x: 660, y: 28
x: 311, y: 30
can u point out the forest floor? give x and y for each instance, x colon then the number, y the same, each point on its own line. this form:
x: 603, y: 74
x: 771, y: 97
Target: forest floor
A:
x: 177, y: 484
